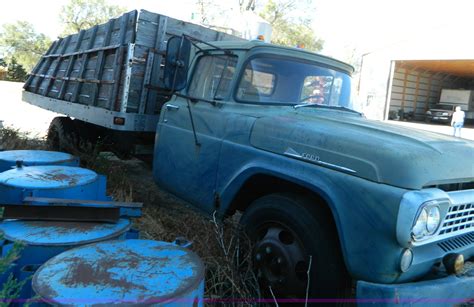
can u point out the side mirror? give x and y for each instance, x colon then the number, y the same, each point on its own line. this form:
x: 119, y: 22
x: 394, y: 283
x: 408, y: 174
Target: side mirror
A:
x: 178, y: 52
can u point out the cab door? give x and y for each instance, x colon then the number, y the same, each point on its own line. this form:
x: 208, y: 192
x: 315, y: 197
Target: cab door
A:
x: 191, y: 130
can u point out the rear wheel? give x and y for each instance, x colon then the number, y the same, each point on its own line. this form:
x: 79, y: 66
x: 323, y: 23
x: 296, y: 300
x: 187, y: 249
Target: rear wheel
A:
x: 62, y: 134
x: 290, y: 233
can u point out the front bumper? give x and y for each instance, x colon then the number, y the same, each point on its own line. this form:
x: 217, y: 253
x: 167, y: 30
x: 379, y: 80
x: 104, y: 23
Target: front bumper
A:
x: 446, y: 291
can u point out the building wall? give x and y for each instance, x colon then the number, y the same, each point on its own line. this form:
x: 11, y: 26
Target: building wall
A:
x: 415, y: 90
x: 374, y: 88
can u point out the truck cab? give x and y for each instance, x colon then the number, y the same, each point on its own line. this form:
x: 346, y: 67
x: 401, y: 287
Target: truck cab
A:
x: 326, y: 195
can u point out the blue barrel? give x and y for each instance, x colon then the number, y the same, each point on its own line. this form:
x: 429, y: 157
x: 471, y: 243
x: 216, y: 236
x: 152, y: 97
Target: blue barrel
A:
x: 129, y: 272
x: 8, y: 159
x: 51, y: 181
x: 43, y: 240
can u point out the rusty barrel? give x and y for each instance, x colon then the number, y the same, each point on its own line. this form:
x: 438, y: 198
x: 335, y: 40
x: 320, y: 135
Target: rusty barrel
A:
x: 10, y: 158
x: 127, y: 272
x: 51, y: 181
x: 42, y: 240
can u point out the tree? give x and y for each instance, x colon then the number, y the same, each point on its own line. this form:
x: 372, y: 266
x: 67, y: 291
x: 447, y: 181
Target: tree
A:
x: 287, y: 30
x: 15, y: 71
x: 83, y: 14
x: 22, y: 42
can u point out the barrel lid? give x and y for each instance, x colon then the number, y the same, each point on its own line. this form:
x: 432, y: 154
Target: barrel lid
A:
x: 35, y: 157
x: 119, y: 272
x: 49, y: 233
x: 47, y: 177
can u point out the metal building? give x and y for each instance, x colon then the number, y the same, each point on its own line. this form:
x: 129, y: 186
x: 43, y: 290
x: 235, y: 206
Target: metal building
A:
x: 408, y: 75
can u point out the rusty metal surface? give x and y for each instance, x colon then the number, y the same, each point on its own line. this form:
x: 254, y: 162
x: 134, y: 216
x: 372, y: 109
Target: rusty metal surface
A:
x: 47, y: 177
x: 54, y: 233
x: 35, y: 157
x: 62, y: 213
x: 122, y: 272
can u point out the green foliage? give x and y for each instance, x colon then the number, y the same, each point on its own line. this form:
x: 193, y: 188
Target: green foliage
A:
x: 15, y: 72
x: 83, y: 14
x: 10, y: 290
x: 23, y: 43
x: 287, y: 30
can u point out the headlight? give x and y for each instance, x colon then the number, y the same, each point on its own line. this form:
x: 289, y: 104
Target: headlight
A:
x: 428, y: 112
x: 433, y: 220
x: 419, y: 229
x: 427, y: 222
x: 445, y: 114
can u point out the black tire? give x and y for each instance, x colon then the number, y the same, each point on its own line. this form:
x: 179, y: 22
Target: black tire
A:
x: 295, y: 228
x: 62, y: 135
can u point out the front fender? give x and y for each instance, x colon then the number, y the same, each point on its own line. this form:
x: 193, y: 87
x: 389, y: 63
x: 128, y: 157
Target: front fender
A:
x: 365, y: 212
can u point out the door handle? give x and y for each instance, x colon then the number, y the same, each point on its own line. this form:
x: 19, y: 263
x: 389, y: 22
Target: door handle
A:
x: 172, y: 107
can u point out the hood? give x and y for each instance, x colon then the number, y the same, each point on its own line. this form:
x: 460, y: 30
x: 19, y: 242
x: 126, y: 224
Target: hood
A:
x: 377, y: 151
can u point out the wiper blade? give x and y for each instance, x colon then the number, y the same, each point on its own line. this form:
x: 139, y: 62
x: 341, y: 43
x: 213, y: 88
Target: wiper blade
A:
x: 297, y: 106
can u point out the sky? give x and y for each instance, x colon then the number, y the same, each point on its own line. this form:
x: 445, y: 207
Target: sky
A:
x: 345, y: 25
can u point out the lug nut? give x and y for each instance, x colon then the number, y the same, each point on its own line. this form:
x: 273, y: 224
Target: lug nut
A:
x: 279, y: 260
x: 258, y: 257
x: 268, y: 250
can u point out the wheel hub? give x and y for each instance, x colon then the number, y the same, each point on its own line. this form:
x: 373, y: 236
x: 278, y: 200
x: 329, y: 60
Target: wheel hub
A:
x: 280, y: 261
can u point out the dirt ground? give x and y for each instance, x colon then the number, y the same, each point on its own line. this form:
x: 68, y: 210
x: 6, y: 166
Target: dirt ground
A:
x: 18, y: 114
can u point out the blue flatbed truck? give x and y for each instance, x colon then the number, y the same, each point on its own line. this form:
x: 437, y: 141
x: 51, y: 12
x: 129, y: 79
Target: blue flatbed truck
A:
x: 270, y: 132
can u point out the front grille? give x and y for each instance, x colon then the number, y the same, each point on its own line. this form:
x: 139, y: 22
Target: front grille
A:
x: 449, y: 187
x: 460, y: 218
x: 457, y: 242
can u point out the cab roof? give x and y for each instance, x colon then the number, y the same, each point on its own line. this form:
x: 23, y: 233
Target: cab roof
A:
x: 277, y: 49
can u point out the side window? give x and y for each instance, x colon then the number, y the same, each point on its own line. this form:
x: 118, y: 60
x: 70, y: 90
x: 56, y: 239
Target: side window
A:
x: 212, y: 77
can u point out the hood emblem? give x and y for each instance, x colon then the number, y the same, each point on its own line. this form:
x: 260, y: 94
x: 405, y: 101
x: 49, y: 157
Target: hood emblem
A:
x: 290, y: 152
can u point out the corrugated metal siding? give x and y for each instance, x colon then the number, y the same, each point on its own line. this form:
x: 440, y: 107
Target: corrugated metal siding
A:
x: 414, y: 90
x: 90, y: 67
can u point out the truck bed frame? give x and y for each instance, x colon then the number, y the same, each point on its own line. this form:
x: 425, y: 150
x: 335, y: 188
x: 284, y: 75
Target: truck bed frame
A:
x: 111, y: 74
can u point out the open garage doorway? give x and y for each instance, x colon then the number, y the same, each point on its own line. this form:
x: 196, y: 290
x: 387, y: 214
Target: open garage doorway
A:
x: 416, y: 86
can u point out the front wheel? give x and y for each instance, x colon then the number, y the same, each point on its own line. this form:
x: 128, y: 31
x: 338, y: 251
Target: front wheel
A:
x: 290, y: 233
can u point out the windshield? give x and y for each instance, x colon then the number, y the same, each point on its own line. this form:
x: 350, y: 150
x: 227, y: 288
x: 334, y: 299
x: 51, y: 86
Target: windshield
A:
x: 270, y: 80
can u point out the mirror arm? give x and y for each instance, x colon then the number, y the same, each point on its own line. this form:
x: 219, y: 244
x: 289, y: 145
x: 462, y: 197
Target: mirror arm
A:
x: 193, y: 39
x: 195, y: 99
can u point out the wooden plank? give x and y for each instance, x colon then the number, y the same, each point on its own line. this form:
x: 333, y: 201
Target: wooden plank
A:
x: 40, y: 63
x: 58, y: 64
x: 148, y: 100
x: 117, y: 72
x: 118, y: 63
x: 46, y: 68
x: 77, y: 89
x: 146, y: 80
x: 100, y: 61
x: 72, y: 60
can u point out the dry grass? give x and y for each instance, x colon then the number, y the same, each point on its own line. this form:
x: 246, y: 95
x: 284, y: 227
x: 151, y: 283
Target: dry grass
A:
x: 11, y: 138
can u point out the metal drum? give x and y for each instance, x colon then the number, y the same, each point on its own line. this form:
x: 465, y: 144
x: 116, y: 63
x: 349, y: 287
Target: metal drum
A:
x: 125, y: 272
x: 43, y: 240
x: 51, y: 181
x: 9, y: 159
